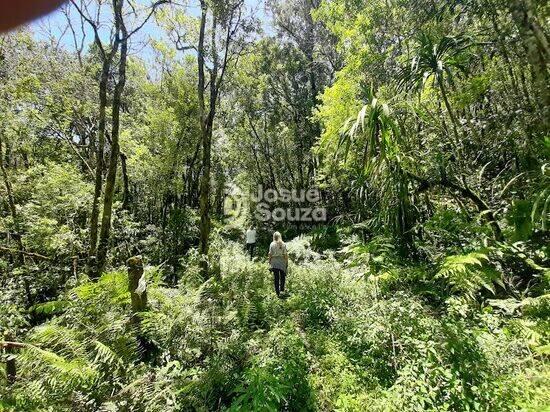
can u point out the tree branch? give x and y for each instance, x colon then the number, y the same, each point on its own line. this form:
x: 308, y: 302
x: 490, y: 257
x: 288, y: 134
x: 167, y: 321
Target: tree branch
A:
x: 151, y: 12
x: 17, y: 251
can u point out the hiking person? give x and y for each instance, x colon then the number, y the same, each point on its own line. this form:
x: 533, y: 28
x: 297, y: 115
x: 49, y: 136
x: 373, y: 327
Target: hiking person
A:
x: 251, y: 240
x: 278, y: 262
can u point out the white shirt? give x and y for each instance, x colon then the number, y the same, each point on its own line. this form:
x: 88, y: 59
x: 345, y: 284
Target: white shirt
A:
x: 251, y: 236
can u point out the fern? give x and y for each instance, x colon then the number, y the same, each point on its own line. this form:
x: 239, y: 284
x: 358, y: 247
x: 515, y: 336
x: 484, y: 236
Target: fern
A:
x: 104, y: 354
x: 71, y: 371
x: 469, y: 274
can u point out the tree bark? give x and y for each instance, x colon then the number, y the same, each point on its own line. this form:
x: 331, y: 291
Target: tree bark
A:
x: 207, y: 116
x: 126, y: 197
x: 135, y: 272
x: 206, y: 137
x: 100, y: 147
x: 7, y: 184
x: 115, y: 147
x: 138, y: 298
x: 11, y: 367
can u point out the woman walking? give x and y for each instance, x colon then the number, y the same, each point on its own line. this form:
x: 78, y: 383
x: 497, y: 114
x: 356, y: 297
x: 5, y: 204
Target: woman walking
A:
x: 278, y: 262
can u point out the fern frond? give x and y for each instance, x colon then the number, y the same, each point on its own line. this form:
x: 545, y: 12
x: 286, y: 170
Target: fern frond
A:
x: 468, y: 274
x: 104, y: 354
x: 74, y: 370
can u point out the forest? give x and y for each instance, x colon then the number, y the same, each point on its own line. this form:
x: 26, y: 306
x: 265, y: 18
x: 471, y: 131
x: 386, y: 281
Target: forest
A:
x: 400, y: 147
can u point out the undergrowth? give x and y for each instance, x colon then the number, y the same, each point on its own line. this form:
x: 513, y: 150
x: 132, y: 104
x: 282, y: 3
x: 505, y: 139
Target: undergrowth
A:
x: 355, y: 334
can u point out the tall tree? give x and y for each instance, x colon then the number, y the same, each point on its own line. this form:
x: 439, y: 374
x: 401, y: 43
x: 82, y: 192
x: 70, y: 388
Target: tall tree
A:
x: 223, y: 27
x: 122, y: 37
x: 118, y: 38
x: 106, y: 54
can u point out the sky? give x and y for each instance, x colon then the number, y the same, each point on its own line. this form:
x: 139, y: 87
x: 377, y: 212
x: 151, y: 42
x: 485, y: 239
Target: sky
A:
x: 54, y: 27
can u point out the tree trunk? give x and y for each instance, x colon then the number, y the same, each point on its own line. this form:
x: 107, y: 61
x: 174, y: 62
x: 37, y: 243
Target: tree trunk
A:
x: 138, y: 296
x: 11, y: 204
x: 482, y: 207
x: 115, y: 147
x: 207, y: 119
x: 7, y: 184
x: 206, y: 137
x: 100, y: 148
x: 501, y: 39
x: 135, y: 272
x: 537, y: 48
x: 449, y: 109
x: 126, y: 198
x: 467, y: 193
x: 11, y: 367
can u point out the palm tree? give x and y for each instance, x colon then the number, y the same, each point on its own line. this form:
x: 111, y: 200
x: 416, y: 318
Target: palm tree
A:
x: 374, y: 124
x: 437, y: 60
x: 378, y: 137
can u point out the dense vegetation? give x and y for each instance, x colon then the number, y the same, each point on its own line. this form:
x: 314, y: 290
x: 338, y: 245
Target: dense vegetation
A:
x: 425, y: 126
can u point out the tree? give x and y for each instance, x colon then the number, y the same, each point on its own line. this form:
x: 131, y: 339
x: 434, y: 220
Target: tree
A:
x: 379, y: 162
x: 437, y: 60
x: 272, y: 105
x: 106, y: 54
x: 119, y: 37
x: 222, y: 31
x: 122, y: 38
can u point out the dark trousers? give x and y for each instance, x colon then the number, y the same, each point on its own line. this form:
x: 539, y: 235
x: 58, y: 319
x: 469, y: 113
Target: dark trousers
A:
x: 250, y: 248
x: 279, y: 277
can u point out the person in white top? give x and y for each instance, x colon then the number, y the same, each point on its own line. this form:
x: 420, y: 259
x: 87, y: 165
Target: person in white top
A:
x: 251, y: 240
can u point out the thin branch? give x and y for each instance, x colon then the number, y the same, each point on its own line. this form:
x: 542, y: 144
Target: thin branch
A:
x: 180, y: 45
x: 70, y: 25
x: 61, y: 135
x: 152, y: 11
x: 8, y: 344
x: 75, y: 150
x: 93, y: 24
x: 17, y: 251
